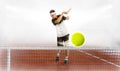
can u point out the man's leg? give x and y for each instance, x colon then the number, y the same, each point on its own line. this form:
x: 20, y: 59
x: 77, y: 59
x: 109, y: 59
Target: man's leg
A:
x: 66, y: 43
x: 66, y: 54
x: 59, y: 43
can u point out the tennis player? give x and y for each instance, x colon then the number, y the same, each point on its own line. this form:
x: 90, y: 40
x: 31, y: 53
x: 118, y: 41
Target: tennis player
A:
x: 62, y: 33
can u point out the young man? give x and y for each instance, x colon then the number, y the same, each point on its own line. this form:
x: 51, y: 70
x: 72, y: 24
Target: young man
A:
x: 62, y: 33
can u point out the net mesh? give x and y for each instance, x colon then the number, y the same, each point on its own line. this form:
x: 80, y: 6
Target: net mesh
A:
x: 44, y: 59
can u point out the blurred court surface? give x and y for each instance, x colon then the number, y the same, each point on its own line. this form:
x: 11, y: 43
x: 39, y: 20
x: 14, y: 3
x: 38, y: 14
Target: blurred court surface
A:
x: 79, y: 60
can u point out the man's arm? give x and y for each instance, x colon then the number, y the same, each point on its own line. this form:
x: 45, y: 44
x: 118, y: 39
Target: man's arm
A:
x: 59, y: 18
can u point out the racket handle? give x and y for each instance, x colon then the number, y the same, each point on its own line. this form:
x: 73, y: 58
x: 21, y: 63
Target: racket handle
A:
x: 68, y: 10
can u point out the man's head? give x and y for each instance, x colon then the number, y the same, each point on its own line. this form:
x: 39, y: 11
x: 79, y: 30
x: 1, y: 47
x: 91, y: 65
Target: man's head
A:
x: 53, y: 14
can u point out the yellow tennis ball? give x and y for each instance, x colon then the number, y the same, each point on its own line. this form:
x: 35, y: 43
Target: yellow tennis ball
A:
x: 77, y: 39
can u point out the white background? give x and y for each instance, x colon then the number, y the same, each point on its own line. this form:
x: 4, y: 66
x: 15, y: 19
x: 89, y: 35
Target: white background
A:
x: 28, y: 23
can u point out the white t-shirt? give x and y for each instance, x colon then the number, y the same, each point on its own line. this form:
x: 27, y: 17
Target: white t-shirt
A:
x: 61, y: 29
